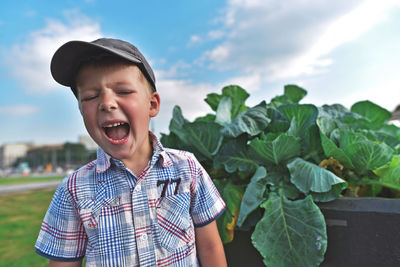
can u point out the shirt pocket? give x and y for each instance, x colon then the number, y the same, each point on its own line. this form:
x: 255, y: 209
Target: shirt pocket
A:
x: 89, y: 213
x: 174, y: 222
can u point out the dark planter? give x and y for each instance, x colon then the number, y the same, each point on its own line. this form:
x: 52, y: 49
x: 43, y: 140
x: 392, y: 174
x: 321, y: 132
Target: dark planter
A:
x: 361, y: 232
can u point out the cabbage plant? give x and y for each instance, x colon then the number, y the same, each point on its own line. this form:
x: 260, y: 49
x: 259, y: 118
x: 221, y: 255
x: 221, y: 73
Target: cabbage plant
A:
x: 274, y: 161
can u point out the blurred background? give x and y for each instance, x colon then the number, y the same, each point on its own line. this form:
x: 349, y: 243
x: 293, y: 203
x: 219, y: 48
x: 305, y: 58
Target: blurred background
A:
x: 340, y: 51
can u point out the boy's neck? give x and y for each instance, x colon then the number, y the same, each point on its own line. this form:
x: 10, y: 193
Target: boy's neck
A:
x: 138, y: 162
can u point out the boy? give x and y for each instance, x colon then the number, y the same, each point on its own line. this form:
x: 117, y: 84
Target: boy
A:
x: 138, y: 204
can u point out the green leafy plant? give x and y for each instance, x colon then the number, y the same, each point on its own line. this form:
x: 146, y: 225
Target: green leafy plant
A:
x: 272, y: 162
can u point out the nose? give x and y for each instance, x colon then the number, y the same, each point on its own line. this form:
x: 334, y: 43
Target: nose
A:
x: 108, y: 102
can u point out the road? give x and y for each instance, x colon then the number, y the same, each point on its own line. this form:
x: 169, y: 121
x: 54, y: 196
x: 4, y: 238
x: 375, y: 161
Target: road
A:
x: 16, y: 188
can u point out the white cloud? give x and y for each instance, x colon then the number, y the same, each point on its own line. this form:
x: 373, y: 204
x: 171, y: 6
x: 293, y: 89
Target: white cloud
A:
x: 176, y: 70
x: 344, y: 29
x: 218, y: 55
x: 386, y: 93
x: 187, y: 95
x: 286, y: 39
x: 251, y: 83
x: 215, y: 34
x: 30, y: 61
x: 18, y: 110
x: 194, y: 39
x: 210, y: 36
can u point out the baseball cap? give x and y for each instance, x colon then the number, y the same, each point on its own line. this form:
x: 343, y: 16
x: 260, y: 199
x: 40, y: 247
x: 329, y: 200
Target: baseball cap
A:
x: 69, y: 57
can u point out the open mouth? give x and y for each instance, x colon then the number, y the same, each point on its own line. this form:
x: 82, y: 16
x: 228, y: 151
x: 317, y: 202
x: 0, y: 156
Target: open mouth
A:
x: 117, y: 133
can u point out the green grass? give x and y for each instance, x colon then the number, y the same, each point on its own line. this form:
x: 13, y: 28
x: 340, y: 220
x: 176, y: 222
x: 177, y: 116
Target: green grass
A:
x: 20, y: 218
x: 21, y: 180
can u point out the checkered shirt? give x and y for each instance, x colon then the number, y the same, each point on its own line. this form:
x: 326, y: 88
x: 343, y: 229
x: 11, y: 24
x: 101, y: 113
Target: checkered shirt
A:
x: 106, y: 213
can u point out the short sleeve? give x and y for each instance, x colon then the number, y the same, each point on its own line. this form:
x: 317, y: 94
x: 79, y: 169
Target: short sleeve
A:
x: 206, y: 204
x: 62, y: 236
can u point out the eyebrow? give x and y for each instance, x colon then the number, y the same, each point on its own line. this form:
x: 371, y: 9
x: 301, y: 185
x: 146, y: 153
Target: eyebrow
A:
x: 121, y: 83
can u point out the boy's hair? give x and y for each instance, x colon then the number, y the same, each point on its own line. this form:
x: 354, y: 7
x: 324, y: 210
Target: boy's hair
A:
x: 105, y: 60
x: 69, y: 58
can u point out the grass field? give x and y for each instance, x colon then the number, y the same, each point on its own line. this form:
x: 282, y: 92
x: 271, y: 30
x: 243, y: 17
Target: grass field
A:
x: 21, y: 180
x: 20, y: 218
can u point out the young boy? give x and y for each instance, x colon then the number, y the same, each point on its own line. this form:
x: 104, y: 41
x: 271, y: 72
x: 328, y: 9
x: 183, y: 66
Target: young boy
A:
x: 138, y: 204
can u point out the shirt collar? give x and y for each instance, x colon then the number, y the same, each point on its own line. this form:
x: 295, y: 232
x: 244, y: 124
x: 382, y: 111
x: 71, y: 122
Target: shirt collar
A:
x: 104, y: 160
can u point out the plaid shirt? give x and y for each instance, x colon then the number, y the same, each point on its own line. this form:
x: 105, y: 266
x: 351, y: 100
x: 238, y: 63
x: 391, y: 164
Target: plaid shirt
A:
x: 106, y: 213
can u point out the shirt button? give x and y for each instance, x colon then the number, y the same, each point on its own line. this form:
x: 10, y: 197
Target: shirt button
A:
x: 144, y: 237
x: 138, y: 188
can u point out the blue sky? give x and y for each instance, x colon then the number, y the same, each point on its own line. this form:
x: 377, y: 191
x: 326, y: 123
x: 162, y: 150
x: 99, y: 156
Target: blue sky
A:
x: 340, y: 51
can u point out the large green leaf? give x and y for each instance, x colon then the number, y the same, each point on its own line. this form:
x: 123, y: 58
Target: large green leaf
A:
x: 279, y: 122
x: 234, y: 156
x: 213, y: 100
x: 310, y: 178
x: 294, y: 93
x: 338, y: 112
x: 206, y: 118
x: 391, y: 130
x: 223, y: 115
x: 341, y: 116
x: 326, y: 123
x: 367, y: 155
x: 346, y: 138
x: 389, y: 174
x: 179, y: 137
x: 371, y: 111
x: 279, y: 179
x: 332, y: 151
x: 204, y: 136
x: 361, y: 123
x: 171, y: 141
x: 291, y: 233
x: 237, y: 94
x: 311, y: 147
x: 382, y: 137
x: 252, y: 121
x: 177, y: 122
x: 280, y: 149
x: 278, y: 101
x: 232, y: 195
x: 254, y: 195
x: 300, y: 116
x: 387, y: 139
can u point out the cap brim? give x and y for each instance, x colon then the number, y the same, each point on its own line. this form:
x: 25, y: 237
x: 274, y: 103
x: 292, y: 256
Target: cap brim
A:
x: 68, y: 57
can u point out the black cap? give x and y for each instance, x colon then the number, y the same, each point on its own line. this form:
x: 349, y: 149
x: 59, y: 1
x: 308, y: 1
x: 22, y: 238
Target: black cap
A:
x: 67, y: 59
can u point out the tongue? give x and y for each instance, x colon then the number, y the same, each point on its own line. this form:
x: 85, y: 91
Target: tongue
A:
x: 118, y: 132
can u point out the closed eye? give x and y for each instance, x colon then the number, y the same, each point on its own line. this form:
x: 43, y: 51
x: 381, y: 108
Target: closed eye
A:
x: 88, y: 98
x: 124, y: 92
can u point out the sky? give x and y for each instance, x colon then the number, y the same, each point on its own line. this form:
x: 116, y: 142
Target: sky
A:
x: 340, y: 51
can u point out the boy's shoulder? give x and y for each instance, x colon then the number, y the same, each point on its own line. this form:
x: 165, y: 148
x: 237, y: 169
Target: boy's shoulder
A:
x: 81, y: 179
x: 85, y: 171
x: 175, y: 156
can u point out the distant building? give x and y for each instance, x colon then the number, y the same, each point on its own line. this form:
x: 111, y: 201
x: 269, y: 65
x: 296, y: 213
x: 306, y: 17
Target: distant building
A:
x: 88, y: 142
x: 42, y: 155
x: 47, y: 156
x: 65, y: 156
x: 9, y: 153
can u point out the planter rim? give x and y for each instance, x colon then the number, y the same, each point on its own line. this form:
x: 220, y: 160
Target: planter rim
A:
x: 363, y: 204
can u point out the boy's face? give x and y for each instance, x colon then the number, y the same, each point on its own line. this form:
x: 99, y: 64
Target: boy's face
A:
x: 117, y: 104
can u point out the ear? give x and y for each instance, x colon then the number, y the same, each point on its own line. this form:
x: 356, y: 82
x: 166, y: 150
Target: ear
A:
x: 154, y: 104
